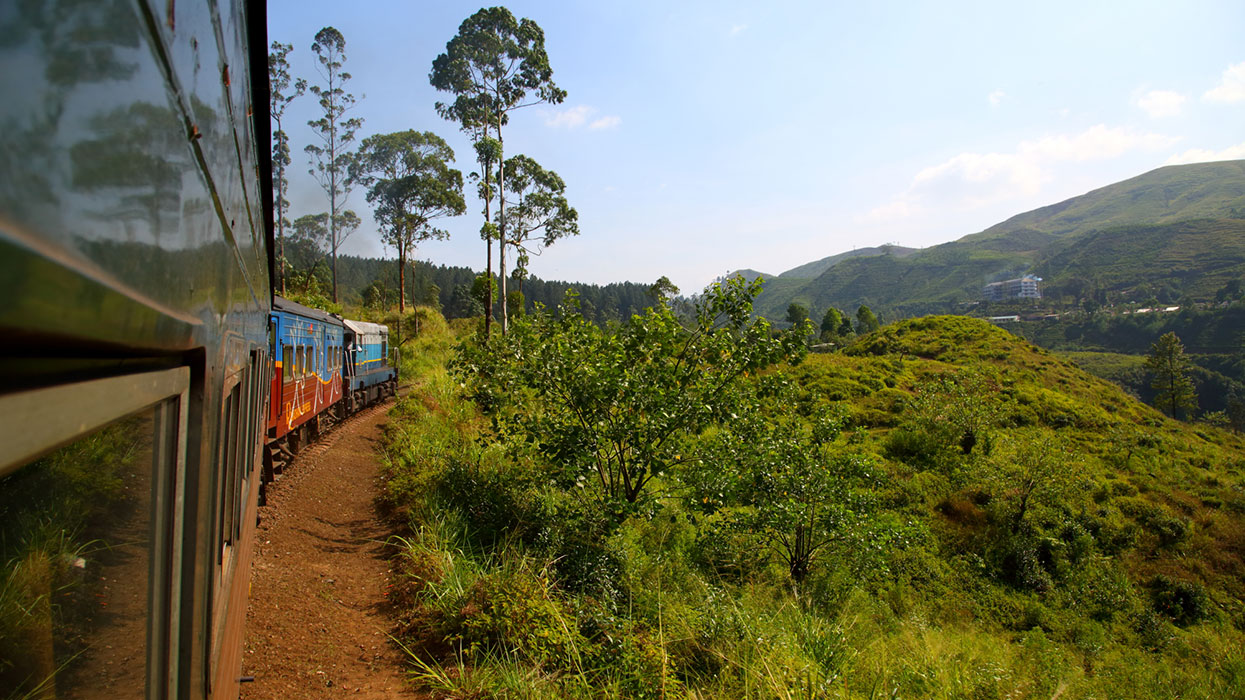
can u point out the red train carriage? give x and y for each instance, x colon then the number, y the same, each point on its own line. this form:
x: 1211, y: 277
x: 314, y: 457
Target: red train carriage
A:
x: 307, y: 374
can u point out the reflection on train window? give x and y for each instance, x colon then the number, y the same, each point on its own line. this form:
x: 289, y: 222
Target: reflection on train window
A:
x: 76, y: 539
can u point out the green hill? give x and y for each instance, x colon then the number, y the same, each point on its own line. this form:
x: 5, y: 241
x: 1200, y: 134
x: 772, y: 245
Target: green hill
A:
x: 1177, y: 228
x: 812, y: 270
x: 1081, y: 545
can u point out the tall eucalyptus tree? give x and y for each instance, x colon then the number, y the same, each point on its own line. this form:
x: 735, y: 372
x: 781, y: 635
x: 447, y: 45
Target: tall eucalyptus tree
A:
x: 410, y: 183
x: 494, y: 65
x: 331, y: 160
x: 280, y: 95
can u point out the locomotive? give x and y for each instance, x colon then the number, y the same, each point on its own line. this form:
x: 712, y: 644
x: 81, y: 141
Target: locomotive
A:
x: 150, y: 381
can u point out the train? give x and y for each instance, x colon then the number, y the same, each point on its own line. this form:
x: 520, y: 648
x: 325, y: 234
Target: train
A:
x: 151, y: 381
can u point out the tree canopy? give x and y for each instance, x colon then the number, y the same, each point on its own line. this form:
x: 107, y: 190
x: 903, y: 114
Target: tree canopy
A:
x: 410, y: 183
x: 619, y: 408
x: 331, y: 159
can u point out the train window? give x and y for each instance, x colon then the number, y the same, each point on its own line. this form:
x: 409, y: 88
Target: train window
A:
x: 287, y: 362
x: 227, y: 471
x: 384, y: 352
x: 89, y: 537
x: 300, y: 362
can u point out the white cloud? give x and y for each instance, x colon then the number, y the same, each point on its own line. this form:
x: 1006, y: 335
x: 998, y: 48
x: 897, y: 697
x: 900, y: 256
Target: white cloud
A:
x: 996, y: 97
x: 579, y: 115
x: 972, y: 180
x: 569, y: 118
x: 1231, y: 88
x: 1161, y: 103
x: 895, y: 210
x: 1098, y: 142
x: 1201, y: 155
x: 737, y: 29
x: 605, y: 123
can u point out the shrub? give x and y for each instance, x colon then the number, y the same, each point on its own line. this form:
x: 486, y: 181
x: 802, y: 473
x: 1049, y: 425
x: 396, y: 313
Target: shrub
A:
x: 1183, y: 602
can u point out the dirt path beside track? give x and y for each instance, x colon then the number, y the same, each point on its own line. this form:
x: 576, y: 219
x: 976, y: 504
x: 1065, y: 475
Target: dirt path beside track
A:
x: 317, y: 625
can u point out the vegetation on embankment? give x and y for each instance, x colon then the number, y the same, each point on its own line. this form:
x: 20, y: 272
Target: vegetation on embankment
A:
x: 996, y: 523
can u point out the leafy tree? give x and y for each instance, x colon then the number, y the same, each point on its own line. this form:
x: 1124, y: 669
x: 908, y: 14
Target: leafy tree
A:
x: 958, y: 408
x: 309, y: 239
x: 866, y: 322
x: 540, y: 214
x: 796, y: 313
x: 280, y: 95
x: 492, y: 65
x: 620, y: 408
x: 331, y: 160
x: 1170, y: 367
x: 845, y: 328
x: 483, y: 287
x: 788, y: 484
x: 1030, y: 473
x: 410, y: 183
x: 663, y: 290
x: 831, y: 322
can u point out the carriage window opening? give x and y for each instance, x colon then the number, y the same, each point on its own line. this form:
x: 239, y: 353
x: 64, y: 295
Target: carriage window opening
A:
x: 384, y: 352
x: 227, y: 473
x: 298, y: 361
x: 287, y: 361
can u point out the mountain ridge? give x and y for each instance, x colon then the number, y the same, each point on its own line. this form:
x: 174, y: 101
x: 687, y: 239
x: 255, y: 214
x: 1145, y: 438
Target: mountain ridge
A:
x: 1176, y: 228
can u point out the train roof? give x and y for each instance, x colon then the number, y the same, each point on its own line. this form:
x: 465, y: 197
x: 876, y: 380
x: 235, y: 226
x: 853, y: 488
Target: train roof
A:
x: 293, y: 307
x: 365, y: 328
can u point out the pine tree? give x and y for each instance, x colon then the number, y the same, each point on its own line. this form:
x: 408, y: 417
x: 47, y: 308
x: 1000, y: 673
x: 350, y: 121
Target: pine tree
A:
x: 1170, y: 366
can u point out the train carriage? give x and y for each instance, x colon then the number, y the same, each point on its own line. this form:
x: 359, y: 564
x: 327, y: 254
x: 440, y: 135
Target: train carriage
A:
x: 135, y: 259
x: 307, y: 377
x: 368, y: 375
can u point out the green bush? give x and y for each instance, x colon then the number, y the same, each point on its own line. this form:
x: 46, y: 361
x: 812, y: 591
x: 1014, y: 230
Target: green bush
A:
x: 1183, y: 602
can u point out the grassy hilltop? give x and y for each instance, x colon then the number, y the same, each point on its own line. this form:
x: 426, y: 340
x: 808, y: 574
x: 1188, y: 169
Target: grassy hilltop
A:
x: 999, y: 524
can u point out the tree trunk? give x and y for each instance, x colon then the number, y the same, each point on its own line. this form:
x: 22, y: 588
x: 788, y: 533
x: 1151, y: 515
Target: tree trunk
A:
x: 401, y: 279
x: 501, y: 225
x: 488, y: 267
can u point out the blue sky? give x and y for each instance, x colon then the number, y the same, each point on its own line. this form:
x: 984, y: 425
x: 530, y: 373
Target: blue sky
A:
x: 702, y: 137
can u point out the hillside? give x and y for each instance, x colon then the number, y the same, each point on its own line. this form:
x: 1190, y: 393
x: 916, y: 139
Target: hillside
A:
x: 1177, y: 228
x: 998, y: 523
x: 812, y: 270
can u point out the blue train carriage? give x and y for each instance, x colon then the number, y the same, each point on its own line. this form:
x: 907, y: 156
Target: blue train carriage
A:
x: 369, y: 376
x: 308, y: 348
x: 135, y: 260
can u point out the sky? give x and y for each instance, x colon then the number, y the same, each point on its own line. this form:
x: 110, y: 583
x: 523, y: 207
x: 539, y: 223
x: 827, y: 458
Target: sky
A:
x: 698, y: 138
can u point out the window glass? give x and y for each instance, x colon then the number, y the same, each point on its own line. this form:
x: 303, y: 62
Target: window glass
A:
x: 299, y: 361
x: 76, y: 530
x: 287, y: 361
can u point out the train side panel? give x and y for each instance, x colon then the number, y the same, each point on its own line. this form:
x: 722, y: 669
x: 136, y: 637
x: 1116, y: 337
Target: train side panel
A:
x: 308, y: 383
